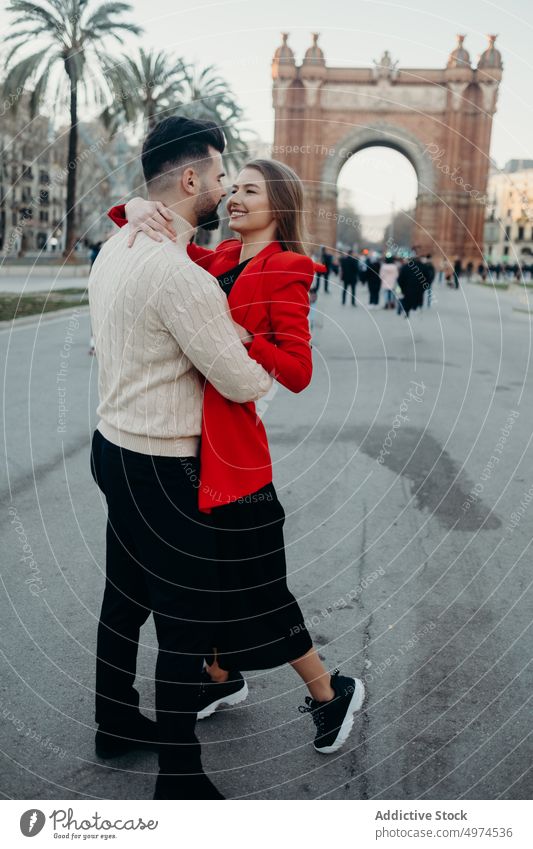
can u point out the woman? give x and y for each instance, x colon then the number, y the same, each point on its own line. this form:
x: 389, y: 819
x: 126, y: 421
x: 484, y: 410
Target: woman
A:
x: 388, y: 273
x: 266, y: 276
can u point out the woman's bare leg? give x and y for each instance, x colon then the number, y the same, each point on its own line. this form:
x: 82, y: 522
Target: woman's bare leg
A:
x: 309, y: 667
x: 313, y: 672
x: 215, y: 672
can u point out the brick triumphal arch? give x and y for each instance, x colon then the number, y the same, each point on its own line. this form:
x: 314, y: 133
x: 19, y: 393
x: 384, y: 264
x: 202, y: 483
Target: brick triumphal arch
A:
x: 440, y: 119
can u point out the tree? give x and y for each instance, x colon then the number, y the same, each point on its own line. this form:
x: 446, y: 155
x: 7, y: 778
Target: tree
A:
x: 149, y: 86
x: 398, y: 234
x: 208, y: 96
x: 69, y: 31
x: 348, y: 226
x: 155, y: 85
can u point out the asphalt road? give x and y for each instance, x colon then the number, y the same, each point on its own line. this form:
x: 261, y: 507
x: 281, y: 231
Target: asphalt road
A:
x: 426, y: 598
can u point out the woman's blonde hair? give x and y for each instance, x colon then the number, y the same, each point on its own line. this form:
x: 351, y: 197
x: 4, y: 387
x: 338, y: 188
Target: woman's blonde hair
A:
x: 286, y: 197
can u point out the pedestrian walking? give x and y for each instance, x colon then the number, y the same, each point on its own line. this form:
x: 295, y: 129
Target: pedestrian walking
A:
x: 410, y: 280
x: 388, y: 272
x: 429, y: 273
x: 374, y: 283
x: 349, y: 272
x: 327, y: 261
x: 457, y: 271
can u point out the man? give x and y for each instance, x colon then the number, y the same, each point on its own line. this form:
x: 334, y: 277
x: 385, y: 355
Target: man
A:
x: 374, y: 283
x: 429, y: 273
x: 327, y: 260
x: 349, y: 275
x: 457, y: 272
x: 161, y: 323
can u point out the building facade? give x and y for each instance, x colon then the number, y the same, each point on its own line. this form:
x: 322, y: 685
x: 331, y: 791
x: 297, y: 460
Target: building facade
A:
x: 32, y: 185
x: 33, y: 180
x: 509, y: 223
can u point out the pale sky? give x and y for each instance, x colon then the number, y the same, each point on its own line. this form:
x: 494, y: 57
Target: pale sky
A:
x: 240, y: 36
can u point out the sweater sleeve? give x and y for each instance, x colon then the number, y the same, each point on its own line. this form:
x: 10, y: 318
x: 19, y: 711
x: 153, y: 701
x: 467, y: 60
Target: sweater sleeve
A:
x: 194, y: 310
x: 288, y: 358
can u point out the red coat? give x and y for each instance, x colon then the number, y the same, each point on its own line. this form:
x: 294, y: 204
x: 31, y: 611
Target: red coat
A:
x: 270, y: 298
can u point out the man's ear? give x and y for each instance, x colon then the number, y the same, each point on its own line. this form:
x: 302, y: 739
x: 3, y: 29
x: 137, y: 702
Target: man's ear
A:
x: 189, y: 181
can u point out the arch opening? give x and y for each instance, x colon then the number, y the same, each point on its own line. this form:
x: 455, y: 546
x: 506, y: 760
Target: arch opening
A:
x: 377, y: 191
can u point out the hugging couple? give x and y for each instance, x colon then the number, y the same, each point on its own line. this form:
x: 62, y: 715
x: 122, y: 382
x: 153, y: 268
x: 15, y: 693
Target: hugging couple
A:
x: 186, y: 340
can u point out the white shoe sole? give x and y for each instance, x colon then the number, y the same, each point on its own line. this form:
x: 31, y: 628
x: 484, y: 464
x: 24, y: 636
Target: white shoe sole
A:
x: 227, y: 701
x: 344, y: 731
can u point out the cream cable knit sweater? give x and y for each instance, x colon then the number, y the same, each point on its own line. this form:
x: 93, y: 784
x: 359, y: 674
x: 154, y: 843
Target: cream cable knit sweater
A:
x: 158, y: 320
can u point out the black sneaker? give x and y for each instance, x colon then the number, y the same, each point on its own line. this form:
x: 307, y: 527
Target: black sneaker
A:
x: 194, y: 786
x: 213, y: 695
x: 110, y: 743
x: 334, y: 719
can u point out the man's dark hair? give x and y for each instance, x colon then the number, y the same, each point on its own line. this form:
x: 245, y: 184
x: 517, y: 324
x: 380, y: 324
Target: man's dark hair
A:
x: 177, y: 141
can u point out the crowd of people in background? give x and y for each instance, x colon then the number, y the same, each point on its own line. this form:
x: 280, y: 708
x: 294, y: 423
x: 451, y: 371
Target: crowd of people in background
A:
x: 403, y: 284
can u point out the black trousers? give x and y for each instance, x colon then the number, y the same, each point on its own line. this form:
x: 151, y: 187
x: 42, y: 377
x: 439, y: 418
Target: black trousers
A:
x: 160, y: 559
x: 373, y: 289
x: 348, y: 284
x: 325, y: 276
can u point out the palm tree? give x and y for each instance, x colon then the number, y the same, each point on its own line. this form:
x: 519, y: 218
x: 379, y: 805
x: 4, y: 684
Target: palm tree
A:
x: 155, y: 85
x: 207, y: 95
x: 69, y: 32
x: 149, y: 86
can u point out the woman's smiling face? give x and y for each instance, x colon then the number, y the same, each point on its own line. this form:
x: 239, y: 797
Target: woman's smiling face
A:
x: 248, y: 204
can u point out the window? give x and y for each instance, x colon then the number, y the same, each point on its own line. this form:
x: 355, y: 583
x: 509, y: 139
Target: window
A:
x: 506, y: 250
x: 507, y: 233
x: 520, y: 233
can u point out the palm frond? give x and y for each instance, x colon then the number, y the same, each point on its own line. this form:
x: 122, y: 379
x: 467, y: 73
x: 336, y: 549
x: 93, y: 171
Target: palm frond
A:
x: 98, y: 33
x: 28, y: 11
x: 25, y: 33
x: 23, y: 72
x: 41, y: 85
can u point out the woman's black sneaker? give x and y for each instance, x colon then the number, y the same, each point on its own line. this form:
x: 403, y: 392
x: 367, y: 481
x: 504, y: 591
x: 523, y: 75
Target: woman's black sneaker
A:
x: 334, y: 719
x: 227, y: 693
x: 194, y: 786
x: 142, y: 734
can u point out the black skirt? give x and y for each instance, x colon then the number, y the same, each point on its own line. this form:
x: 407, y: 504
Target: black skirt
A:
x: 261, y: 623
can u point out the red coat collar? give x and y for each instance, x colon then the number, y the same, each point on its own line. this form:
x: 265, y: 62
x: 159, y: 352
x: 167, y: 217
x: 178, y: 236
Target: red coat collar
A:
x: 243, y: 293
x: 232, y: 248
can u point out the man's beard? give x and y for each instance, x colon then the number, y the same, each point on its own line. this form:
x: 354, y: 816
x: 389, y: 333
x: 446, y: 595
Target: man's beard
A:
x: 207, y: 216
